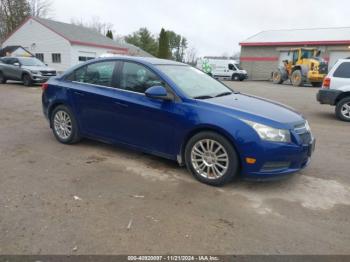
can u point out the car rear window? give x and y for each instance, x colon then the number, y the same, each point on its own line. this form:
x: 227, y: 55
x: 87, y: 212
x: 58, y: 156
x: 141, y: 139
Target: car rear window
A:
x: 343, y: 70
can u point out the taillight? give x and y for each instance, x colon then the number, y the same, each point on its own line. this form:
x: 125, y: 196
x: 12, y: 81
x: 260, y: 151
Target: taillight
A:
x: 326, y: 83
x: 44, y: 86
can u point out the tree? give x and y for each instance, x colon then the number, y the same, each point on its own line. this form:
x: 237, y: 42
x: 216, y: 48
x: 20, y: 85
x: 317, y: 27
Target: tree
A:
x: 191, y: 56
x: 178, y: 45
x: 12, y: 14
x: 236, y: 55
x: 40, y: 8
x: 143, y: 39
x: 164, y: 48
x: 109, y: 34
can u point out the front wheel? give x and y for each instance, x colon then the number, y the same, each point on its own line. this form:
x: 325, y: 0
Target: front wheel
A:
x: 64, y: 125
x: 235, y: 78
x: 211, y: 159
x: 297, y: 78
x: 342, y: 110
x: 27, y: 81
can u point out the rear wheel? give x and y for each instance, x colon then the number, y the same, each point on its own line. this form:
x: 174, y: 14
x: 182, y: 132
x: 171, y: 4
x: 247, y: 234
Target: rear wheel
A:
x: 342, y: 110
x: 211, y: 158
x: 27, y: 81
x: 297, y: 78
x: 2, y: 78
x: 64, y: 125
x: 316, y: 84
x: 277, y: 78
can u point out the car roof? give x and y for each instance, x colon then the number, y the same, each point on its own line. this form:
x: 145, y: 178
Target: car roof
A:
x: 149, y: 60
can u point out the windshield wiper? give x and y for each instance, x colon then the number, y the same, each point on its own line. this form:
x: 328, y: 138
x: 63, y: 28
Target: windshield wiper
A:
x: 224, y: 94
x: 202, y: 97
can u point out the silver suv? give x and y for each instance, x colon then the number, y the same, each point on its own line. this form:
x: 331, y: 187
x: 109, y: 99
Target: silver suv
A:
x: 335, y: 90
x: 29, y: 70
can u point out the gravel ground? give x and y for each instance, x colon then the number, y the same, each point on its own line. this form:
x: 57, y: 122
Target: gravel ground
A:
x: 93, y: 198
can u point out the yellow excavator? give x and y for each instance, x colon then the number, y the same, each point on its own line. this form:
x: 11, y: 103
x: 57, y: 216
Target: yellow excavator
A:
x: 305, y: 66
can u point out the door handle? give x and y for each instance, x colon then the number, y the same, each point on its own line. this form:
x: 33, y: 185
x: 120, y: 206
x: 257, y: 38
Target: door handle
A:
x: 78, y: 93
x: 120, y: 104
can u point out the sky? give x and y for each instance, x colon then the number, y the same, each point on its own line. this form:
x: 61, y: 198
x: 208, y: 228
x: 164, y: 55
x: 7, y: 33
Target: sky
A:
x: 212, y: 27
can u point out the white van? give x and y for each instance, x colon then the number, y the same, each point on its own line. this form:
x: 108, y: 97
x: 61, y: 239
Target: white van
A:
x: 222, y: 68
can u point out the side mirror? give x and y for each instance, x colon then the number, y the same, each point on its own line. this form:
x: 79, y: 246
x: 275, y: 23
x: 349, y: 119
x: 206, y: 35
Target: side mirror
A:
x: 158, y: 92
x: 16, y: 64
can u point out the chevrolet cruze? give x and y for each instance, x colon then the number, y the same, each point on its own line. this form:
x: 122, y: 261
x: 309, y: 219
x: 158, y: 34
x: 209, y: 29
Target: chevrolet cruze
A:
x: 177, y: 112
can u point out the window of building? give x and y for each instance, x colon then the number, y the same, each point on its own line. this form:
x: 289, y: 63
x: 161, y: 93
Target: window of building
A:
x: 56, y: 58
x: 40, y: 56
x: 343, y: 70
x: 137, y: 78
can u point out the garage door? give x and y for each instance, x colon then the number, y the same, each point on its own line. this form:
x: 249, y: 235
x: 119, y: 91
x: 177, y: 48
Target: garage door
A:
x: 335, y: 55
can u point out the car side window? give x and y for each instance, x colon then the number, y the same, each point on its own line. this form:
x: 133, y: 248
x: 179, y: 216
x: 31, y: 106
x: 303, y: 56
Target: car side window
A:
x: 231, y: 67
x: 137, y: 78
x: 100, y: 73
x: 343, y: 70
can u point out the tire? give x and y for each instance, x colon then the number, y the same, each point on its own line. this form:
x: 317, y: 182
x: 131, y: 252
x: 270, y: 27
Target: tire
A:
x: 277, y: 78
x: 297, y: 78
x: 316, y: 84
x: 208, y: 174
x: 64, y: 125
x: 342, y: 109
x: 27, y: 81
x: 235, y: 77
x: 2, y: 78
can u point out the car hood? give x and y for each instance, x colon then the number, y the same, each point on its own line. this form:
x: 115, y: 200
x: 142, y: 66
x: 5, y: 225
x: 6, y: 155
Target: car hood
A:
x: 256, y: 108
x: 39, y: 68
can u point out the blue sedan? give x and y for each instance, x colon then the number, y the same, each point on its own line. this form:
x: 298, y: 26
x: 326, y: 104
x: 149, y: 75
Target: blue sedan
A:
x: 177, y: 112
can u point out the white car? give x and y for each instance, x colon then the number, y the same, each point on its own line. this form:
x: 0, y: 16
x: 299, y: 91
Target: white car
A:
x: 335, y: 90
x: 222, y: 68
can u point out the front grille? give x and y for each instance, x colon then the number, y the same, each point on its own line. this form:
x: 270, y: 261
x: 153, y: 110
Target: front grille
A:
x: 304, y: 133
x: 48, y: 73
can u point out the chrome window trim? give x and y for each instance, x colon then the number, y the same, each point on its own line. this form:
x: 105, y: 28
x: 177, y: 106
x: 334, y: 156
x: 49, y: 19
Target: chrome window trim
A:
x: 108, y: 87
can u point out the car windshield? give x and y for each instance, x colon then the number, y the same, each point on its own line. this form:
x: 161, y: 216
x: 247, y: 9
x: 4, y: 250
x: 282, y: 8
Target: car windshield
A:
x: 237, y: 65
x: 193, y: 82
x: 29, y: 61
x: 307, y: 53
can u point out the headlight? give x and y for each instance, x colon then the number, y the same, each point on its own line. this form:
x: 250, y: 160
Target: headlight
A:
x: 269, y: 133
x: 307, y: 126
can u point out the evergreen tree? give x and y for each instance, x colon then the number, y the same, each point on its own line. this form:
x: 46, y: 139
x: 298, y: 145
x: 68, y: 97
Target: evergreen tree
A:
x: 109, y: 34
x: 164, y: 47
x: 143, y: 39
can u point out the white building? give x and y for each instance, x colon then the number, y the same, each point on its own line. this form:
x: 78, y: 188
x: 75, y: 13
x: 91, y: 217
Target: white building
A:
x: 62, y: 45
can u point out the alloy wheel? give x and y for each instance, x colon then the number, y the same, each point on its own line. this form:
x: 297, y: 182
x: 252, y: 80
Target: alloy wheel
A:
x: 62, y: 124
x: 209, y: 158
x: 345, y: 110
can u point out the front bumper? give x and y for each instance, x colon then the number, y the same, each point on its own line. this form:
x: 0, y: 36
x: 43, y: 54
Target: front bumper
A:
x: 243, y: 76
x: 328, y: 96
x: 279, y: 161
x: 40, y: 78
